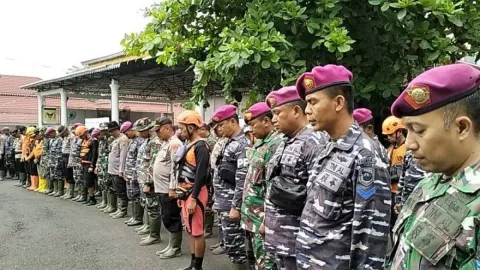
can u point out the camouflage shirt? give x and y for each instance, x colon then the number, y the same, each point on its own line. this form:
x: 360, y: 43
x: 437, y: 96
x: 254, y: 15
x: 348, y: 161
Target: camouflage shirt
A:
x: 438, y: 227
x: 55, y: 158
x: 76, y: 146
x: 131, y: 159
x: 9, y: 145
x: 230, y: 196
x: 103, y: 152
x: 141, y: 176
x: 345, y: 222
x: 411, y: 176
x: 45, y: 152
x: 253, y: 207
x: 151, y: 151
x: 294, y: 156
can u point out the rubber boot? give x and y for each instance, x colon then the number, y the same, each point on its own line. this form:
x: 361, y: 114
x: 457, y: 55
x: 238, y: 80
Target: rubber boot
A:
x: 234, y: 266
x: 48, y: 183
x: 69, y: 192
x: 130, y: 205
x: 122, y: 206
x: 137, y: 215
x: 8, y: 175
x: 154, y: 236
x: 21, y: 177
x: 175, y: 244
x: 44, y: 188
x: 34, y: 185
x: 82, y: 190
x: 112, y: 204
x: 65, y: 186
x: 209, y: 219
x: 60, y: 187
x: 91, y: 200
x: 86, y: 195
x: 104, y: 203
x: 55, y: 188
x: 97, y: 188
x: 76, y: 188
x: 2, y: 175
x: 145, y: 220
x: 14, y: 175
x: 146, y: 228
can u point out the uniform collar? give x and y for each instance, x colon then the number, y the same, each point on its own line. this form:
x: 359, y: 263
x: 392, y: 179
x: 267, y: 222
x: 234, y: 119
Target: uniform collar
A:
x: 468, y: 180
x: 348, y: 139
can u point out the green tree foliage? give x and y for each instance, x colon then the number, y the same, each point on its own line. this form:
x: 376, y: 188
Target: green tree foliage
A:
x: 269, y: 43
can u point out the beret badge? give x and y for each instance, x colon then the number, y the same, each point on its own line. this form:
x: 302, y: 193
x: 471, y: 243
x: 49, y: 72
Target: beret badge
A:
x: 248, y: 116
x: 417, y: 96
x: 272, y: 101
x: 308, y: 82
x: 216, y: 119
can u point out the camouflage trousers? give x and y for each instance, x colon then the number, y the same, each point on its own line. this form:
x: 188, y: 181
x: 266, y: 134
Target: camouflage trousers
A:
x: 233, y: 239
x: 78, y: 175
x: 105, y: 182
x: 152, y: 204
x: 286, y: 263
x: 263, y: 260
x: 133, y: 190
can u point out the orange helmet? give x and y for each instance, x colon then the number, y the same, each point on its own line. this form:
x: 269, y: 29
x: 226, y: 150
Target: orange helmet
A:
x: 391, y: 125
x: 80, y: 130
x: 189, y: 117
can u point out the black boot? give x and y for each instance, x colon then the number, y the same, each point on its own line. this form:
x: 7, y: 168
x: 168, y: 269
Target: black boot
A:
x: 137, y: 215
x: 21, y: 177
x: 85, y: 194
x: 92, y: 200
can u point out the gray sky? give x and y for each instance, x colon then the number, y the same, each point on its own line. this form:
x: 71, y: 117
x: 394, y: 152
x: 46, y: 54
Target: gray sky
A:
x: 43, y: 38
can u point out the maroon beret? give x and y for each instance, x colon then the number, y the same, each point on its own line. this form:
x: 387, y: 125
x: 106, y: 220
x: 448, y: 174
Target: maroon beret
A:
x: 362, y: 115
x: 323, y: 77
x: 282, y: 96
x: 436, y: 88
x: 256, y: 110
x: 223, y: 113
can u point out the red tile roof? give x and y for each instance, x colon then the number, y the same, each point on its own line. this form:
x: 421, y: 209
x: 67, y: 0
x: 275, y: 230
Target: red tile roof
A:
x: 19, y: 106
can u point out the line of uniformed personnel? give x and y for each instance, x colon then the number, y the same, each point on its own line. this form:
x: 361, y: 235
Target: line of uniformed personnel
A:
x: 311, y: 186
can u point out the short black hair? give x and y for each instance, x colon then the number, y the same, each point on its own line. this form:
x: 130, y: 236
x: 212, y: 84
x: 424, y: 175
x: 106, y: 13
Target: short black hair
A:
x: 235, y: 117
x: 163, y: 121
x: 342, y: 90
x: 469, y: 105
x: 300, y: 103
x: 269, y: 115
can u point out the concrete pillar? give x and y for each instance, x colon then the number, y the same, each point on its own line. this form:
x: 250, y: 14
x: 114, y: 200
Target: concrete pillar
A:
x: 40, y: 110
x: 63, y: 108
x: 114, y: 87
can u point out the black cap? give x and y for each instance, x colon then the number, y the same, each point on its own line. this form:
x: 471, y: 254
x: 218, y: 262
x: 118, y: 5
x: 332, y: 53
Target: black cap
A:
x: 61, y: 129
x: 159, y: 122
x: 113, y: 125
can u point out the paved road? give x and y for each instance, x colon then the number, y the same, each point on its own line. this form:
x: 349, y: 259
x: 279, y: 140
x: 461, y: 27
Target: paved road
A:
x: 40, y: 232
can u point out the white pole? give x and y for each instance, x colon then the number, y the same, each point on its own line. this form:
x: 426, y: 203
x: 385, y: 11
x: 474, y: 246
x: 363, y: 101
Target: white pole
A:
x: 63, y: 108
x: 114, y: 87
x: 40, y: 110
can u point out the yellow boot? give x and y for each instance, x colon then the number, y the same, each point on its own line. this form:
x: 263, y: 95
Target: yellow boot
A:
x: 43, y: 185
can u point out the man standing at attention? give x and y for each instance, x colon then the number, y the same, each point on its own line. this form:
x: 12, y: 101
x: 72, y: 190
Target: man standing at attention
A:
x: 345, y: 222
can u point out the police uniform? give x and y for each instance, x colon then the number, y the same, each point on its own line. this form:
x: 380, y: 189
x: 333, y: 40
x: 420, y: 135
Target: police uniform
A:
x: 232, y: 169
x: 345, y: 222
x: 253, y: 207
x: 438, y: 225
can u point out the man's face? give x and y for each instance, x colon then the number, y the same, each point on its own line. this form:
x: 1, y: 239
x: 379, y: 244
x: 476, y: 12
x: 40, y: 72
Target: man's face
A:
x: 228, y: 127
x: 368, y: 129
x: 164, y: 132
x: 204, y: 132
x: 321, y: 110
x: 102, y: 135
x: 131, y: 134
x: 284, y: 118
x: 115, y: 132
x: 425, y: 134
x: 183, y: 132
x: 395, y: 137
x: 218, y: 131
x: 259, y: 127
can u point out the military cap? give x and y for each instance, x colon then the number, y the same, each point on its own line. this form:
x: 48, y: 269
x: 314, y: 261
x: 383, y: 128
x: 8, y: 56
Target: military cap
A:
x: 142, y: 124
x: 36, y: 131
x: 282, y: 96
x: 256, y: 110
x: 49, y: 131
x: 362, y: 115
x: 436, y: 88
x: 161, y: 121
x: 5, y: 129
x: 42, y: 130
x: 61, y: 129
x: 103, y: 126
x: 95, y: 132
x: 223, y: 113
x: 74, y: 126
x: 126, y: 126
x: 322, y: 77
x: 113, y: 125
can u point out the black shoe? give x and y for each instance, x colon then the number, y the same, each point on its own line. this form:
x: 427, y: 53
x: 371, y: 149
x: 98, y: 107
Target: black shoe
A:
x: 92, y: 201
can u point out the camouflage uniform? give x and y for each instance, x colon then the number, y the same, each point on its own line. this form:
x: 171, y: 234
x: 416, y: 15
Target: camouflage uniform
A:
x: 54, y: 161
x: 230, y: 195
x: 151, y: 151
x: 66, y: 150
x: 104, y: 178
x: 217, y: 187
x: 411, y: 176
x: 45, y: 159
x: 253, y: 210
x: 438, y: 225
x: 130, y: 173
x: 379, y: 148
x: 294, y: 156
x: 345, y: 222
x: 141, y: 172
x: 74, y: 160
x: 10, y: 154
